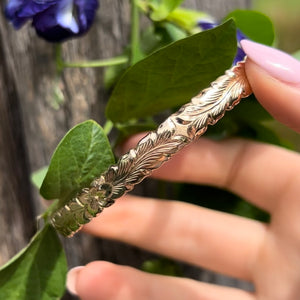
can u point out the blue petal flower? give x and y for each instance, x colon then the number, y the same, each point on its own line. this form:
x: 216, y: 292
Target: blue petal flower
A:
x: 64, y: 16
x: 54, y: 20
x: 240, y: 55
x: 19, y: 11
x: 31, y: 8
x: 86, y: 13
x: 48, y: 27
x: 205, y: 25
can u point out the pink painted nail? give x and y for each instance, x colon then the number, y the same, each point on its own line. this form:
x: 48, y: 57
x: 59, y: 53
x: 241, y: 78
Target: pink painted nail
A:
x: 71, y: 279
x: 277, y: 63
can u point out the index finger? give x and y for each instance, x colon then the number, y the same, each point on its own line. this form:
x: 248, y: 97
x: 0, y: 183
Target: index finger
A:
x: 274, y: 77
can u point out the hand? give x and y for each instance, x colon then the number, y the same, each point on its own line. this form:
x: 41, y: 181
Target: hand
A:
x: 268, y: 255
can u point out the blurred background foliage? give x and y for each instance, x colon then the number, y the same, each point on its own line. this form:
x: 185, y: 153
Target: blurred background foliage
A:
x: 285, y: 17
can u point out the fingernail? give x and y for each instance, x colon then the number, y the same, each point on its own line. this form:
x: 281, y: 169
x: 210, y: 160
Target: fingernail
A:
x: 72, y: 278
x: 277, y: 63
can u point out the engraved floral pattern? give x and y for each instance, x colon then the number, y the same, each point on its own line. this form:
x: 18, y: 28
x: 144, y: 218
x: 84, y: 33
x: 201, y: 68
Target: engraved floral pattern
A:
x: 154, y: 149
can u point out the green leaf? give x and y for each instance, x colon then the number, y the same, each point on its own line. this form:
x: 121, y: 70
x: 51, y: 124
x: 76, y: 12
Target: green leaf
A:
x: 113, y: 73
x: 249, y: 110
x: 160, y: 35
x: 154, y: 37
x: 246, y: 209
x: 38, y: 176
x: 131, y: 129
x: 37, y: 272
x: 173, y: 75
x: 257, y: 26
x: 82, y: 154
x: 241, y: 121
x: 162, y: 10
x: 262, y: 133
x: 126, y: 130
x: 162, y: 266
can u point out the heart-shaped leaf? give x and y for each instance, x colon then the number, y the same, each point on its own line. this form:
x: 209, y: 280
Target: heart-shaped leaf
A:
x: 82, y: 154
x: 255, y: 25
x: 37, y: 272
x: 173, y: 75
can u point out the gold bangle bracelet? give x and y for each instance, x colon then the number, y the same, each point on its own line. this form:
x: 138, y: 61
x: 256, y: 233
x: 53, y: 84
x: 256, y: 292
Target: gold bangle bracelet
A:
x: 180, y: 129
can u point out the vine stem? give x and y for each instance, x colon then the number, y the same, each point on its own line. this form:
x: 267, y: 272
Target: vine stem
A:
x: 97, y: 63
x: 61, y: 64
x: 58, y: 58
x: 135, y: 49
x: 135, y: 46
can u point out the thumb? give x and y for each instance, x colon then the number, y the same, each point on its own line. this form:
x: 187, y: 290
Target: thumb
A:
x: 274, y: 77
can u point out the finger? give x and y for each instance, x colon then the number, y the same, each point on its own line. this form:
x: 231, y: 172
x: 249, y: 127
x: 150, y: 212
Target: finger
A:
x: 214, y: 240
x: 275, y: 80
x: 104, y: 281
x: 280, y: 99
x: 250, y: 169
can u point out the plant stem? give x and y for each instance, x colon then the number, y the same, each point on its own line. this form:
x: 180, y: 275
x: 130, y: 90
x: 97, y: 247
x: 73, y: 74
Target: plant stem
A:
x: 96, y: 63
x: 135, y: 50
x: 58, y: 58
x: 108, y: 127
x: 60, y: 64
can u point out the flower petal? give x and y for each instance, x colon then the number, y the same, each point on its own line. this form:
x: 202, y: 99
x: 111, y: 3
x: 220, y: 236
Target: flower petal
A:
x: 54, y: 20
x: 55, y: 34
x: 86, y: 11
x: 240, y: 55
x: 240, y: 35
x: 47, y: 27
x: 205, y: 25
x: 13, y: 6
x: 19, y: 11
x: 65, y: 17
x: 33, y: 7
x: 11, y: 12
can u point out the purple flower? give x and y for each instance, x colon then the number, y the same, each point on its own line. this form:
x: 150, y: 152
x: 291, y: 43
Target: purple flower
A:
x: 240, y: 55
x: 53, y: 20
